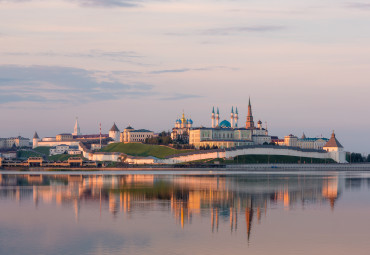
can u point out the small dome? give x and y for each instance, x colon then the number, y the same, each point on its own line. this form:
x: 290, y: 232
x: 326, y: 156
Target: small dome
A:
x: 225, y: 124
x: 190, y: 121
x: 259, y: 122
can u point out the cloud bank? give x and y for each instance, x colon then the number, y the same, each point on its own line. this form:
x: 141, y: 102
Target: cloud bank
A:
x: 55, y: 84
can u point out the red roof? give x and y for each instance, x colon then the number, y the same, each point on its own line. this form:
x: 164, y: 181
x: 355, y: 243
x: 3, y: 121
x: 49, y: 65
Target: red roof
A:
x: 333, y: 142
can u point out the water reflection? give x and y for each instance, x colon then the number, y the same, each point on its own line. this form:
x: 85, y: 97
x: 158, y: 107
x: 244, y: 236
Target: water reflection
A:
x: 238, y: 203
x: 223, y: 197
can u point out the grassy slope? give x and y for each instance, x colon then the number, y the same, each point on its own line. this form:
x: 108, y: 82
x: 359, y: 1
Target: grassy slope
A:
x: 62, y: 157
x: 43, y: 149
x: 27, y: 154
x: 138, y: 149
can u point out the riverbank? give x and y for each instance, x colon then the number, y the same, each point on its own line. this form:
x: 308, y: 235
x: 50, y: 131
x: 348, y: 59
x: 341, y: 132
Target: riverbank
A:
x: 240, y: 167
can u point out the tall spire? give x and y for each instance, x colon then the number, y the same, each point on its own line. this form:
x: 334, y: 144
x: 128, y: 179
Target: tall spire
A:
x: 250, y: 122
x: 217, y: 117
x: 236, y: 117
x: 232, y: 117
x: 76, y: 130
x: 213, y: 117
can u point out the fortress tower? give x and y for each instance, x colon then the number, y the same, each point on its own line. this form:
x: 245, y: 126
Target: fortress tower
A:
x: 114, y: 133
x: 35, y: 140
x: 250, y: 123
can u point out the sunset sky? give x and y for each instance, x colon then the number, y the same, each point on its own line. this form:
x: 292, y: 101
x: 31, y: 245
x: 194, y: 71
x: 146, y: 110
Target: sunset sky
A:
x: 304, y: 63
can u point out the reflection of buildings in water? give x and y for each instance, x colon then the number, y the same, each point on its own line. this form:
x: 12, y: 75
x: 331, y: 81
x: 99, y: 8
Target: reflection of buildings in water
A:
x: 76, y: 205
x: 330, y: 189
x: 222, y: 199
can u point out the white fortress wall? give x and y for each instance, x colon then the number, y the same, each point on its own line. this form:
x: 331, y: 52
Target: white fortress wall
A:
x: 196, y: 156
x: 339, y: 157
x: 272, y: 151
x: 55, y: 143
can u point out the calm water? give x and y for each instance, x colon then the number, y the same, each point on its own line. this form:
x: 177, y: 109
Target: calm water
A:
x: 193, y: 213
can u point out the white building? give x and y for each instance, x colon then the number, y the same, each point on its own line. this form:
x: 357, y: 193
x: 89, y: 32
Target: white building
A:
x: 7, y: 143
x: 227, y: 134
x: 59, y: 149
x: 304, y: 142
x: 182, y: 129
x: 130, y: 135
x: 64, y: 148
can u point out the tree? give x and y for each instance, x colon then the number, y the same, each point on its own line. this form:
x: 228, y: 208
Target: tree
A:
x: 368, y: 158
x: 355, y: 158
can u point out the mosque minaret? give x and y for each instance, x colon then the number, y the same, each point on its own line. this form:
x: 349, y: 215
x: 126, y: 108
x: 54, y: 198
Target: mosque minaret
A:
x: 232, y: 117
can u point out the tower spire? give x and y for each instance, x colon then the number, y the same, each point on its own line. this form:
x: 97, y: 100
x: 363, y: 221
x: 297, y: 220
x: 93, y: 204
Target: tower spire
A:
x: 232, y: 117
x: 250, y: 122
x: 213, y: 117
x: 76, y: 130
x: 217, y: 117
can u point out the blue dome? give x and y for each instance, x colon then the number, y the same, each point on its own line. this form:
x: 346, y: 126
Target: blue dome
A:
x: 225, y: 124
x: 177, y: 121
x: 190, y: 121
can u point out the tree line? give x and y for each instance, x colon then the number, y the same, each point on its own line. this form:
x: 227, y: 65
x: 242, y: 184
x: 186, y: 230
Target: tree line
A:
x: 357, y: 158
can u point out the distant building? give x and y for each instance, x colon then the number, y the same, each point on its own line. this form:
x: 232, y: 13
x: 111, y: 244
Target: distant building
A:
x: 9, y: 155
x: 64, y: 137
x: 7, y: 143
x: 182, y: 129
x: 59, y: 149
x: 130, y: 135
x: 304, y: 142
x: 63, y: 148
x: 227, y: 134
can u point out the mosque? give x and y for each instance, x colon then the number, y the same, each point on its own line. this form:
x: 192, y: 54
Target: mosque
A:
x: 228, y: 134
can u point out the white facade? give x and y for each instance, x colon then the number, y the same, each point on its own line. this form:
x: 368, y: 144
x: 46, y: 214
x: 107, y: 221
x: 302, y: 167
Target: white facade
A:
x: 130, y: 135
x: 6, y: 143
x: 59, y: 149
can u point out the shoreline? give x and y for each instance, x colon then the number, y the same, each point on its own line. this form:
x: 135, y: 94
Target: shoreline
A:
x: 220, y: 168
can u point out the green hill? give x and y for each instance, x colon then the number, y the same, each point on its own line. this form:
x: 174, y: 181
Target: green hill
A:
x: 144, y: 150
x: 43, y: 149
x: 62, y: 157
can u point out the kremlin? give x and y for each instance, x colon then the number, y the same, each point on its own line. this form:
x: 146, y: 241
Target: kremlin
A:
x: 221, y: 139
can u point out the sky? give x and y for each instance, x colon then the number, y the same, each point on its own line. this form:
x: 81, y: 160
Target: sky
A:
x: 305, y: 64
